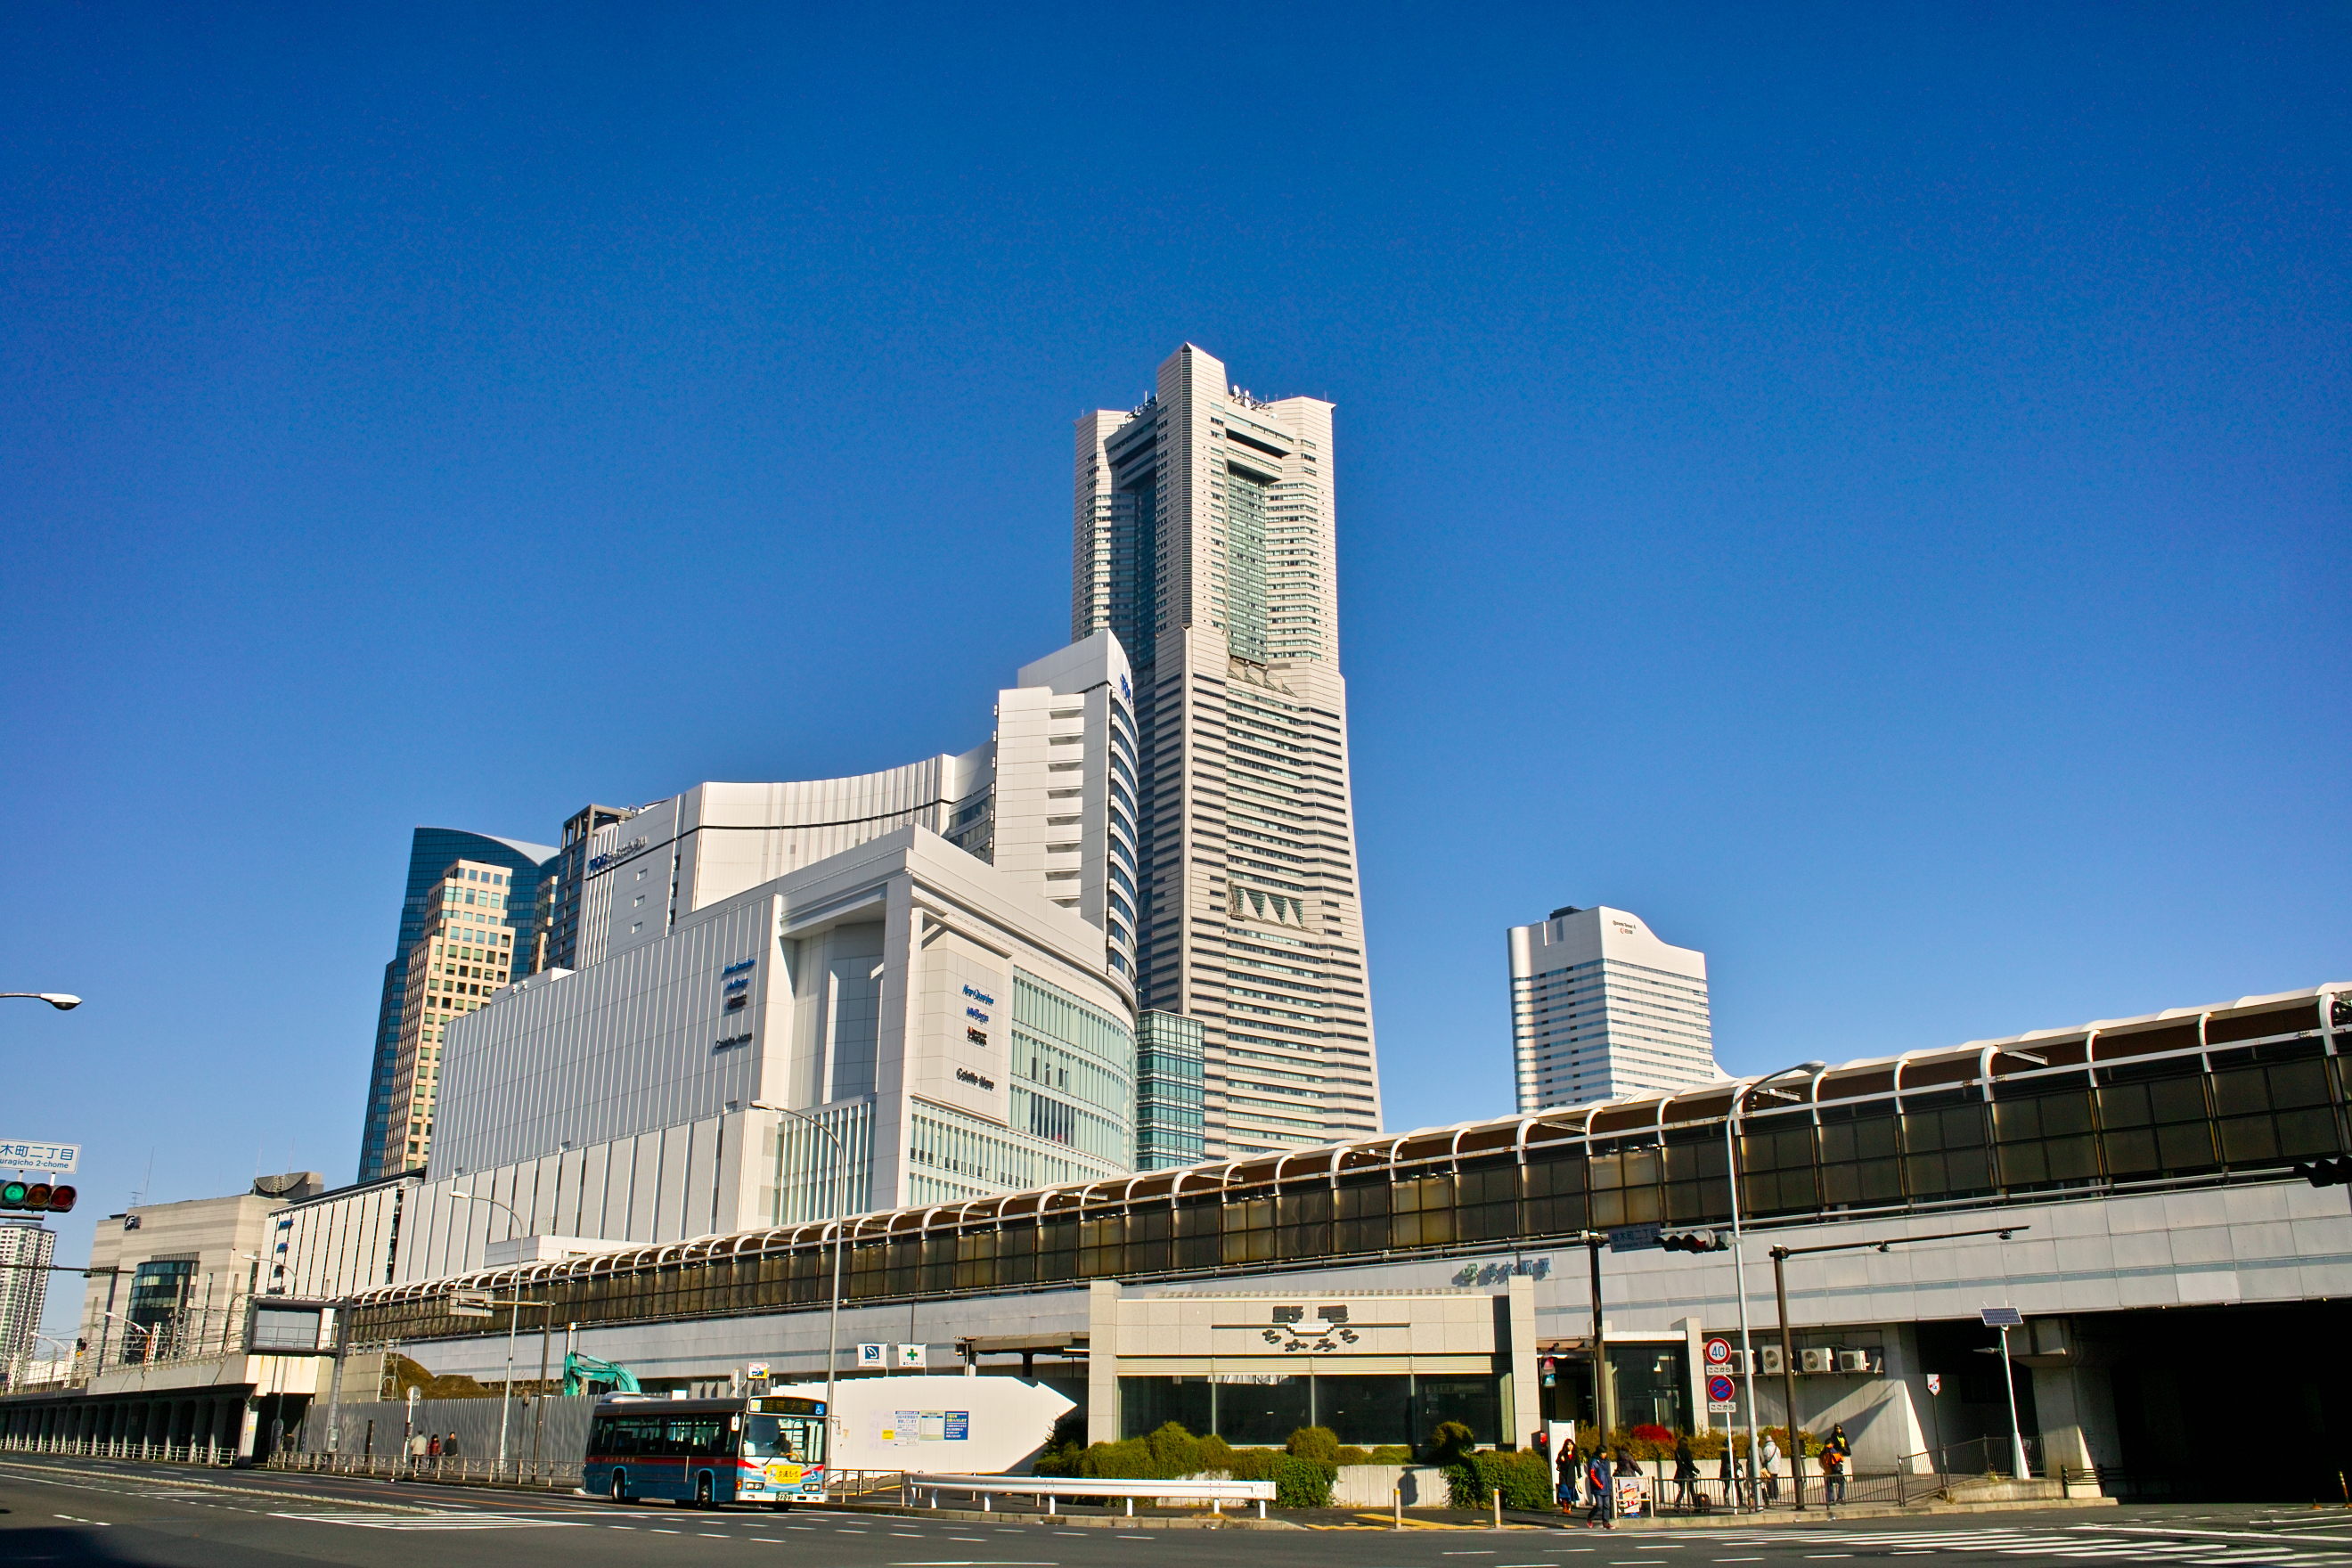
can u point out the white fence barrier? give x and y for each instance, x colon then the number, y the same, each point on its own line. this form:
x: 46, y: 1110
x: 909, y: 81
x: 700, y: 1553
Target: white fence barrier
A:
x: 1049, y: 1489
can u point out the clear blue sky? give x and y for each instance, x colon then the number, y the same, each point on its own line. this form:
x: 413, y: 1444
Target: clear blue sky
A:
x: 1866, y: 490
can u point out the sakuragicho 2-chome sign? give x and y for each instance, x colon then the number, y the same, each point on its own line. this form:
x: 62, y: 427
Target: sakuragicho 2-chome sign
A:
x: 28, y: 1155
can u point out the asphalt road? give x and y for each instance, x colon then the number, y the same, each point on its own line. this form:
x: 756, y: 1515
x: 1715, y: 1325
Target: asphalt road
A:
x: 76, y: 1513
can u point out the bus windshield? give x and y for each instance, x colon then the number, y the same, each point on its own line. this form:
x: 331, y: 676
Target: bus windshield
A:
x: 795, y: 1437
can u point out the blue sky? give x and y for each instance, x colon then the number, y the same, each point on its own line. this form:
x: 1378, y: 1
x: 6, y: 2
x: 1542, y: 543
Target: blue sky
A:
x: 1866, y: 490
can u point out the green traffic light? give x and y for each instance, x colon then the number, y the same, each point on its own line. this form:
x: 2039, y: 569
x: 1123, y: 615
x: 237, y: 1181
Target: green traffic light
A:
x: 11, y: 1196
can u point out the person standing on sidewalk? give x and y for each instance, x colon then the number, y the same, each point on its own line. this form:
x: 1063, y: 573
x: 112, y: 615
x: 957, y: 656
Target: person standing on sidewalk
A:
x: 1771, y: 1459
x: 1564, y: 1490
x: 1686, y: 1473
x: 1604, y: 1491
x: 1835, y: 1453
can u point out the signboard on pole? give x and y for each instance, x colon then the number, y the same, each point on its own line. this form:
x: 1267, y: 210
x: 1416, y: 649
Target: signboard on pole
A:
x: 1718, y: 1351
x: 470, y: 1304
x: 1634, y: 1237
x: 1720, y: 1395
x: 1934, y: 1382
x: 39, y: 1154
x: 871, y: 1355
x: 912, y: 1356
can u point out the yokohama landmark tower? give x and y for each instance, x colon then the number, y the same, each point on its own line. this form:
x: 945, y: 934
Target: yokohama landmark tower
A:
x: 1206, y: 540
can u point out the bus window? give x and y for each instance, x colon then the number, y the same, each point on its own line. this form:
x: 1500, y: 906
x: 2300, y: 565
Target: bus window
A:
x: 771, y: 1438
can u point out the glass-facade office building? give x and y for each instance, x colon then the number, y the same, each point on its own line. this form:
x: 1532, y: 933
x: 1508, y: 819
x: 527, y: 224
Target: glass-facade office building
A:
x: 431, y: 851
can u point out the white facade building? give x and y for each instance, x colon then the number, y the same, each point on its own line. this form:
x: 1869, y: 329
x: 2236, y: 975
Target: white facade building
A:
x: 932, y: 966
x: 1049, y: 799
x: 1600, y: 1007
x: 1206, y: 537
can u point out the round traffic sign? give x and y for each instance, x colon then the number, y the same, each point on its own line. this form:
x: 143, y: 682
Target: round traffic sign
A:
x: 1718, y: 1389
x: 1718, y: 1352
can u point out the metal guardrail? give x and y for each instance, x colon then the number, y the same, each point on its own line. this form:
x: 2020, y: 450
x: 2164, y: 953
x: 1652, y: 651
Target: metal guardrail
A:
x: 1049, y: 1489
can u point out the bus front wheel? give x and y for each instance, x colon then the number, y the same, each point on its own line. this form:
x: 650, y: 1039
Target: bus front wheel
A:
x: 702, y: 1490
x: 620, y: 1487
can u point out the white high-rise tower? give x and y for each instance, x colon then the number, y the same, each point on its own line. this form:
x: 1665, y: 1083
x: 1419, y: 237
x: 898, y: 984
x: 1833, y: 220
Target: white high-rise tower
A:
x: 1206, y: 538
x: 1600, y: 1007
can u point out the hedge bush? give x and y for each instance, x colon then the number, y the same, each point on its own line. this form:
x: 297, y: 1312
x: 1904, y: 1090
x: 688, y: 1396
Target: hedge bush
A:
x: 1522, y: 1475
x: 1302, y: 1483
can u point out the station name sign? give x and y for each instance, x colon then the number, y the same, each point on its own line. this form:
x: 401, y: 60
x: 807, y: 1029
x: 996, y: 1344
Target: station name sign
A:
x: 32, y: 1154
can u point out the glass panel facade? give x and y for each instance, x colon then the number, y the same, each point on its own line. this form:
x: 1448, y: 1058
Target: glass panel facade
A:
x: 1262, y: 1410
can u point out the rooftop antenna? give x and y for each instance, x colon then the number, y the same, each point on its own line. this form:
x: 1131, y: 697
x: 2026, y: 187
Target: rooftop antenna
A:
x: 140, y: 1195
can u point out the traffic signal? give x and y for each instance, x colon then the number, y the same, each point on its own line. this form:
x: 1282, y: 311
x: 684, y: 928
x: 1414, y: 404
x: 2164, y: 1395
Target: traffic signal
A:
x: 1694, y: 1241
x: 2335, y: 1171
x: 38, y: 1197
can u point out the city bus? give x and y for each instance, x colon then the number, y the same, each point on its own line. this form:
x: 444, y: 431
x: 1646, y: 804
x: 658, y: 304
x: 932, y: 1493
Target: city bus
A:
x: 767, y: 1448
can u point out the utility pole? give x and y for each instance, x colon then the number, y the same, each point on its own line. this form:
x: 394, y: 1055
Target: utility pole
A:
x: 1789, y: 1377
x: 1780, y: 1256
x: 1593, y: 1241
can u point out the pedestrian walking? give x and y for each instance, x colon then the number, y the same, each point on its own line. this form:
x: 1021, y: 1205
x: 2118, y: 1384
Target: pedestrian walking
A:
x: 1604, y: 1500
x: 1771, y: 1462
x: 1564, y: 1490
x: 1686, y: 1473
x: 416, y: 1443
x: 1724, y: 1474
x: 433, y: 1447
x: 1571, y: 1465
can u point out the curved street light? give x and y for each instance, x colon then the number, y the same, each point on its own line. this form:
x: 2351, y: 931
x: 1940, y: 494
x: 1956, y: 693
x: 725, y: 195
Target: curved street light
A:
x: 833, y: 1315
x: 62, y: 1002
x: 1739, y: 1268
x: 514, y: 1315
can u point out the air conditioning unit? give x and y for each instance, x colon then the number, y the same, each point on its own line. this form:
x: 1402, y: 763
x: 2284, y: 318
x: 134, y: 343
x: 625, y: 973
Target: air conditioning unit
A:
x: 1817, y: 1360
x: 1853, y: 1361
x: 1767, y: 1361
x: 1739, y: 1367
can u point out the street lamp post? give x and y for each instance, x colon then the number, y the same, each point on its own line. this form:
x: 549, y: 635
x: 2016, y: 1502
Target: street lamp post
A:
x: 1739, y: 1266
x: 58, y: 999
x: 514, y: 1312
x: 833, y: 1314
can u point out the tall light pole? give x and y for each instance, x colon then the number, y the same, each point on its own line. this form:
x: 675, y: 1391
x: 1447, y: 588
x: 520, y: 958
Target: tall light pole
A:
x: 832, y: 1316
x: 58, y: 999
x: 514, y: 1311
x: 1780, y: 1256
x: 1738, y: 1263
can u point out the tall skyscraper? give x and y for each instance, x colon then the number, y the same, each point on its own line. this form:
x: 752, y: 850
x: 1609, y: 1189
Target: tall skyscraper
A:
x: 1600, y: 1007
x: 465, y: 952
x: 1206, y: 538
x: 384, y: 1151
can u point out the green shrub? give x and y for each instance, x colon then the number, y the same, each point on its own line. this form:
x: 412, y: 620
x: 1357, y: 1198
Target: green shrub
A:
x: 1523, y: 1478
x: 1319, y: 1444
x: 1216, y: 1454
x: 1350, y: 1455
x: 1253, y: 1464
x: 1302, y: 1483
x: 1391, y: 1454
x: 1449, y: 1443
x: 1128, y: 1461
x: 1175, y: 1451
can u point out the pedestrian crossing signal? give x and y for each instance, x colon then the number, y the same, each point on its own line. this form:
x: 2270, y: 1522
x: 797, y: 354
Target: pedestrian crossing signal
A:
x: 2333, y: 1172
